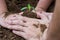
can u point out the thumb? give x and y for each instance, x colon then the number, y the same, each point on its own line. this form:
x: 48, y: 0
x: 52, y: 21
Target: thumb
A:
x: 44, y: 18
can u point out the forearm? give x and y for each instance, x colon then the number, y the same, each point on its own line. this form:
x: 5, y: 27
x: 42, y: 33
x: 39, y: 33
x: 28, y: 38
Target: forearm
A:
x: 43, y: 4
x: 3, y: 7
x: 54, y: 28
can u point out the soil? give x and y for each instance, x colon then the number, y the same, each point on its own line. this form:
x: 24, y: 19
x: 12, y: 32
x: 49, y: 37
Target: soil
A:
x: 15, y: 6
x: 29, y: 14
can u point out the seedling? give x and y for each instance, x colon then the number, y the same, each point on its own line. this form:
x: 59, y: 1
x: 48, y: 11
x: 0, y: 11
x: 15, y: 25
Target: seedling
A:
x: 28, y: 11
x: 28, y: 7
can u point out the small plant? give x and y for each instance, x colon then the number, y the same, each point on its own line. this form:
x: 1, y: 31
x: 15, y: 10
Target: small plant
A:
x: 28, y: 7
x: 28, y: 11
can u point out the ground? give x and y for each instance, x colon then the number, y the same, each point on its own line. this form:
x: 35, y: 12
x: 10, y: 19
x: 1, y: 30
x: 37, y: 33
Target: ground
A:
x: 6, y: 34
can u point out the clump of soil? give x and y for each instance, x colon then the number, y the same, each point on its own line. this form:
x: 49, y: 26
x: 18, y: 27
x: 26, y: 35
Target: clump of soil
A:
x: 29, y: 14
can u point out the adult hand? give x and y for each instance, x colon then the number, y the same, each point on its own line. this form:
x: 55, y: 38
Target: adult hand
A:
x: 30, y: 32
x: 27, y: 34
x: 19, y: 21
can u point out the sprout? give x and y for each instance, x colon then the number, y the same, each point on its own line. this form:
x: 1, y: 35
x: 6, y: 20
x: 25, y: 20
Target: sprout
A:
x: 23, y: 8
x: 29, y: 7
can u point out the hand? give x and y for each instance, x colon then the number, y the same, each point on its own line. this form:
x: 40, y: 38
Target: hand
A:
x: 45, y: 18
x: 19, y: 21
x: 24, y: 28
x: 47, y: 14
x: 3, y: 21
x: 23, y: 21
x: 28, y: 33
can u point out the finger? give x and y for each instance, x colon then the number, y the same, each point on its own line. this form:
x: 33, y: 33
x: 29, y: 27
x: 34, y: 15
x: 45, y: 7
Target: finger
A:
x: 4, y: 24
x: 44, y: 18
x: 19, y: 33
x: 14, y: 21
x: 15, y: 27
x: 10, y: 19
x: 38, y: 14
x: 47, y: 14
x: 12, y: 16
x: 19, y: 22
x: 42, y: 15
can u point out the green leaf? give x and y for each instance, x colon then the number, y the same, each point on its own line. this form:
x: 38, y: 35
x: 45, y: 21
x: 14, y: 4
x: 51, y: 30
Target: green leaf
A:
x: 29, y: 7
x: 22, y: 9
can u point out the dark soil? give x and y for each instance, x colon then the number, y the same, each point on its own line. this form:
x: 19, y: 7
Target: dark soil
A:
x: 15, y: 6
x: 29, y: 14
